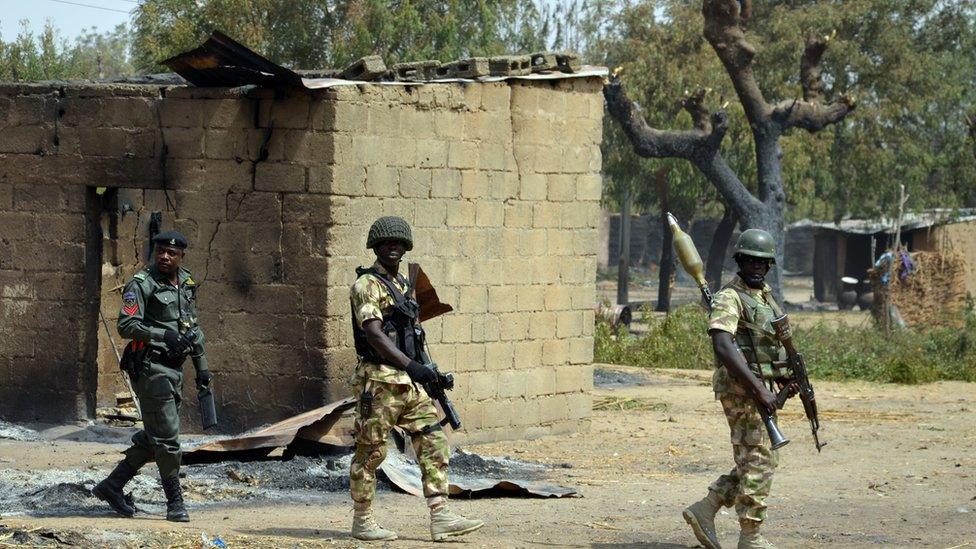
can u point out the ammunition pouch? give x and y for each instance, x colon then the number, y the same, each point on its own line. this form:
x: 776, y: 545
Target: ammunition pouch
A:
x: 134, y: 358
x: 771, y: 371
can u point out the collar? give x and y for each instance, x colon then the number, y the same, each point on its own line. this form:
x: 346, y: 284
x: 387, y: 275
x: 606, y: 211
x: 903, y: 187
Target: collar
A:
x: 183, y: 275
x: 741, y: 285
x: 382, y: 270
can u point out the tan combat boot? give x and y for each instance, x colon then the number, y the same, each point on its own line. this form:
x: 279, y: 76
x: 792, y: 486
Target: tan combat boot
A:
x: 701, y: 517
x: 750, y: 538
x: 364, y: 527
x: 444, y: 523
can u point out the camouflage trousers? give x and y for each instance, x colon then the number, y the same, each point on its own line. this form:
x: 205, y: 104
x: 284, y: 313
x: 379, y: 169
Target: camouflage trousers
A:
x: 748, y: 484
x: 407, y: 407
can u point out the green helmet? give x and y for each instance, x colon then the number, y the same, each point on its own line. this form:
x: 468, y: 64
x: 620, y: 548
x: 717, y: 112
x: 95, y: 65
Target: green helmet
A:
x: 756, y: 243
x: 389, y: 227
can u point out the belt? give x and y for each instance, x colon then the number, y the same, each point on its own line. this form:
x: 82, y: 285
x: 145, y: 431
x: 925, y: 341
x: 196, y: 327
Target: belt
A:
x: 159, y: 357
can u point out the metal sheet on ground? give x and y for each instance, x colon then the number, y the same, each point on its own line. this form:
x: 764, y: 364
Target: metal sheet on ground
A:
x: 405, y: 475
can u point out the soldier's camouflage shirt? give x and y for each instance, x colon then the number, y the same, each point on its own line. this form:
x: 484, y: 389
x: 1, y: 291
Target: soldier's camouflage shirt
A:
x: 726, y: 312
x: 371, y: 300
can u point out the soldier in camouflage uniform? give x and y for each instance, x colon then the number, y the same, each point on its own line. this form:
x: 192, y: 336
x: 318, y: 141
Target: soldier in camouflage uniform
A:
x: 745, y: 345
x: 158, y: 308
x: 389, y: 376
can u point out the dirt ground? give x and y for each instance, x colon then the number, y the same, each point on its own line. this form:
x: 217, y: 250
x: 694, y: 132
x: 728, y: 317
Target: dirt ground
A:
x: 899, y: 471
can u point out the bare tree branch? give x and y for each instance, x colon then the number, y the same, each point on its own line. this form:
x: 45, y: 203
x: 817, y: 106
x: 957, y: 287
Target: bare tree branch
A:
x: 694, y: 103
x: 809, y: 114
x: 653, y: 143
x: 725, y: 31
x: 811, y: 73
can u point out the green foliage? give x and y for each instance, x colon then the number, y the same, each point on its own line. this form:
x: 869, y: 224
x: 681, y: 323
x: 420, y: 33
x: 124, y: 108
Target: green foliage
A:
x: 679, y: 340
x: 311, y: 34
x: 49, y: 56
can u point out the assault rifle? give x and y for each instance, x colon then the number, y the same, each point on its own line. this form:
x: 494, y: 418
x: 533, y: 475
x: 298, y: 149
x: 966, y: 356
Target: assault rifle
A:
x: 798, y: 382
x: 436, y: 391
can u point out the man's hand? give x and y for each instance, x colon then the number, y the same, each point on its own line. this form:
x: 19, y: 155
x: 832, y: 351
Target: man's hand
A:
x: 766, y: 399
x: 420, y: 373
x: 174, y: 342
x: 203, y: 379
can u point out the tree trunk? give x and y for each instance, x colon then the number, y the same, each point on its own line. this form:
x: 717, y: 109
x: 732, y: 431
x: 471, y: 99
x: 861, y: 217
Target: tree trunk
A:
x: 719, y: 248
x: 623, y: 263
x: 666, y: 271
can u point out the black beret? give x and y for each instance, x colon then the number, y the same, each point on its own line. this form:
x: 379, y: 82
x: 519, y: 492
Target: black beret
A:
x: 171, y: 238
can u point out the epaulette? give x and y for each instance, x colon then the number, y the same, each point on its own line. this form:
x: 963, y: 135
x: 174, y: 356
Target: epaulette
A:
x: 140, y: 276
x: 189, y: 281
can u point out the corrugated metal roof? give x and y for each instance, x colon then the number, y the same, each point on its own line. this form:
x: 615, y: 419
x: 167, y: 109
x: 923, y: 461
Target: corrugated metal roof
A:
x: 910, y: 222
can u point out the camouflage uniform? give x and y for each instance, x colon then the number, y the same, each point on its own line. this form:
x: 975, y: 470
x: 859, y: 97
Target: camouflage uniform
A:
x: 396, y: 401
x: 747, y: 484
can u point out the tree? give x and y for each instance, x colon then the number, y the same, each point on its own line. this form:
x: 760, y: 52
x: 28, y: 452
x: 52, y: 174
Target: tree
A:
x: 49, y: 56
x: 725, y: 23
x: 315, y: 34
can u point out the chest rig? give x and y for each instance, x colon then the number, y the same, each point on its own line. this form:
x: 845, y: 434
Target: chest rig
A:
x: 756, y: 336
x: 399, y: 323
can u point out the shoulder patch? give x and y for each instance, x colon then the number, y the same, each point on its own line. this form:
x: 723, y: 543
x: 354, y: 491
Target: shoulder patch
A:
x: 130, y: 303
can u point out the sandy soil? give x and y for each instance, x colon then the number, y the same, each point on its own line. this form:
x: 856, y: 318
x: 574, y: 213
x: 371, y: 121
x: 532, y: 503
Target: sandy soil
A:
x: 899, y: 471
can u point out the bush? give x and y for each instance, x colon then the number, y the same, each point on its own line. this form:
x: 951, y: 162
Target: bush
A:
x: 678, y: 340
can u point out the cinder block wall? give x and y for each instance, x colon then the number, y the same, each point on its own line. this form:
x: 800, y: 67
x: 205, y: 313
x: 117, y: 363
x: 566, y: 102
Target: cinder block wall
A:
x: 501, y: 184
x: 276, y: 191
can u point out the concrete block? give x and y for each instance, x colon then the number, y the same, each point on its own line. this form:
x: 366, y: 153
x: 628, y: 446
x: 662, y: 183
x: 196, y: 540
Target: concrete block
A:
x: 462, y: 155
x: 184, y: 142
x: 510, y: 65
x: 499, y: 356
x: 431, y: 153
x: 581, y: 350
x: 279, y: 176
x: 470, y: 357
x: 531, y: 298
x: 562, y: 187
x: 496, y: 97
x: 365, y: 69
x: 416, y: 71
x: 559, y: 242
x: 289, y: 111
x: 559, y: 298
x: 545, y: 215
x: 533, y: 242
x: 548, y: 61
x: 569, y: 324
x: 533, y: 186
x: 466, y: 68
x: 341, y: 179
x: 512, y: 327
x: 489, y: 214
x: 180, y: 113
x: 542, y: 325
x: 381, y: 181
x: 461, y: 214
x: 473, y: 299
x: 430, y: 213
x: 456, y: 328
x: 27, y: 139
x: 502, y: 299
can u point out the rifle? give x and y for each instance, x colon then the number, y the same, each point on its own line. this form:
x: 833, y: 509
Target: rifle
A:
x: 155, y: 224
x: 798, y: 379
x: 692, y: 263
x: 205, y: 396
x: 436, y: 391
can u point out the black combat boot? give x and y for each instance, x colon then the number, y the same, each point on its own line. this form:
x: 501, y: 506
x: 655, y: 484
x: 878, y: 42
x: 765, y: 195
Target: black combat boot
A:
x: 110, y: 489
x: 175, y: 510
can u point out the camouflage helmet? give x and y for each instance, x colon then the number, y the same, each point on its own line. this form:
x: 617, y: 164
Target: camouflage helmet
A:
x: 756, y: 243
x: 389, y: 227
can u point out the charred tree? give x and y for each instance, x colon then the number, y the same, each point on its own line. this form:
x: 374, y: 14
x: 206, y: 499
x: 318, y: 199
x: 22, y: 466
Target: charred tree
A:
x: 971, y: 122
x: 666, y: 271
x: 718, y: 250
x: 725, y: 25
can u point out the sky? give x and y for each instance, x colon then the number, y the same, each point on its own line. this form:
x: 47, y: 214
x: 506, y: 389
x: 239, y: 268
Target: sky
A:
x: 67, y: 15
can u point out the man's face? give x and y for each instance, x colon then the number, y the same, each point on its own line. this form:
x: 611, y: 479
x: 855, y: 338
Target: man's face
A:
x: 168, y: 258
x: 390, y: 252
x: 753, y: 270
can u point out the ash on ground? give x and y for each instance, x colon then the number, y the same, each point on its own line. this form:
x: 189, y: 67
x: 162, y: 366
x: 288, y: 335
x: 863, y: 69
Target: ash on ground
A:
x: 615, y: 379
